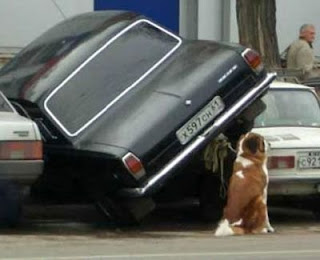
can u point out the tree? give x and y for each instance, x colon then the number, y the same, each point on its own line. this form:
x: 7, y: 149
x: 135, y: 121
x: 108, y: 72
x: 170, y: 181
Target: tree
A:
x: 257, y: 28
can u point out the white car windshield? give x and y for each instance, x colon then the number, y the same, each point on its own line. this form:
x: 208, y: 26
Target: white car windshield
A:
x: 289, y: 107
x: 4, y: 104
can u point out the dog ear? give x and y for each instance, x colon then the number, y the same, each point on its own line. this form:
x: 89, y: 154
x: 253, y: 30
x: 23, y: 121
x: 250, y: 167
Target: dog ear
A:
x: 262, y: 147
x: 239, y: 141
x: 252, y: 144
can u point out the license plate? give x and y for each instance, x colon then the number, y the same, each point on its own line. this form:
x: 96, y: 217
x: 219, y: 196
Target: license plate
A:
x: 307, y: 160
x: 200, y: 120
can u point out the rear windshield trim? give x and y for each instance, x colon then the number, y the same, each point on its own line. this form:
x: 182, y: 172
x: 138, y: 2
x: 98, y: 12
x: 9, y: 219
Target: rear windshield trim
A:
x: 165, y: 57
x: 8, y: 103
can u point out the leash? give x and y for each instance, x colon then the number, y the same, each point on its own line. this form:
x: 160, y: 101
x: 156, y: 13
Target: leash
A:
x: 214, y: 156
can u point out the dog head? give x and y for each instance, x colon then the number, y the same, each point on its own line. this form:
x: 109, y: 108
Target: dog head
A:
x: 252, y: 145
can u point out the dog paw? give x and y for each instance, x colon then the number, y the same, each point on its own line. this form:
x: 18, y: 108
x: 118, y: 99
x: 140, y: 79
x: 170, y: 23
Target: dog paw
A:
x: 270, y: 229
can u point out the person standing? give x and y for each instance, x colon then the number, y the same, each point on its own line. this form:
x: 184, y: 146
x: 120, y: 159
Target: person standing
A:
x: 300, y: 54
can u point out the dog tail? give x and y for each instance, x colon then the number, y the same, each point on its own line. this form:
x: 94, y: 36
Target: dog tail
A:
x: 225, y: 229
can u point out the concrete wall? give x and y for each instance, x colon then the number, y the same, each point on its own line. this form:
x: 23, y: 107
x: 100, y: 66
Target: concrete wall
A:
x: 23, y: 20
x: 188, y: 19
x: 205, y: 19
x: 210, y: 16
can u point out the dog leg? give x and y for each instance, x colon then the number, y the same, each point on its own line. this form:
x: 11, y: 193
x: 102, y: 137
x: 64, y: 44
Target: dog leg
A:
x: 236, y: 227
x: 238, y: 230
x: 268, y: 226
x: 224, y: 229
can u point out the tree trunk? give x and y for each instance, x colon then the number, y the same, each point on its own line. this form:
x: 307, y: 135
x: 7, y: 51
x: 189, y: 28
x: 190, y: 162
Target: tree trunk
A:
x: 257, y: 29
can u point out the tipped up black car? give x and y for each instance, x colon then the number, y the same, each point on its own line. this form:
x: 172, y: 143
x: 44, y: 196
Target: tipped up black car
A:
x: 124, y: 105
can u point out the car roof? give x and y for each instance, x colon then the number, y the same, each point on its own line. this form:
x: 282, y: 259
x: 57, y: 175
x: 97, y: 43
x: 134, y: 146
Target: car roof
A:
x: 288, y: 85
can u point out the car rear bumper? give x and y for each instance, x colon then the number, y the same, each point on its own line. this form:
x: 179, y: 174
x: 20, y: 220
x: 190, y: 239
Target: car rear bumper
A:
x: 155, y: 182
x: 294, y: 185
x: 20, y: 171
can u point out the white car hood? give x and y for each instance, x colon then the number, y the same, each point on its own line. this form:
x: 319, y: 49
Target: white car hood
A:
x: 291, y: 137
x: 16, y: 127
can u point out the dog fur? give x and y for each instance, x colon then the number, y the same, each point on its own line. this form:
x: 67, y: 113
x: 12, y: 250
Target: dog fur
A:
x: 246, y: 210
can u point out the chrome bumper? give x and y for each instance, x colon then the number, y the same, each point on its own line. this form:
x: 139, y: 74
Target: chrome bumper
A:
x: 155, y: 182
x: 294, y: 185
x: 20, y: 171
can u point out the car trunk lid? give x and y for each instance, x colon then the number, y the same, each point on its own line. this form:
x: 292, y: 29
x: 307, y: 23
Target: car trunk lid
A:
x: 291, y: 137
x: 16, y: 127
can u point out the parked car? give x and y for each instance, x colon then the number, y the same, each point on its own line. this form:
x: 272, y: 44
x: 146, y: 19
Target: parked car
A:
x: 314, y: 83
x: 21, y: 159
x: 124, y: 104
x: 291, y: 124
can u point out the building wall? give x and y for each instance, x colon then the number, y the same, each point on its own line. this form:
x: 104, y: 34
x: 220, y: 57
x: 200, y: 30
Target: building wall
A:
x: 203, y: 19
x: 165, y: 12
x: 210, y: 18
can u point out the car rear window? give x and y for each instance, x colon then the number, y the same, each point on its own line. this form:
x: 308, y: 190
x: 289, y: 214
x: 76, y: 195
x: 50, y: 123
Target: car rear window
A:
x: 290, y: 107
x: 4, y: 104
x: 58, y: 41
x: 116, y: 68
x: 45, y: 53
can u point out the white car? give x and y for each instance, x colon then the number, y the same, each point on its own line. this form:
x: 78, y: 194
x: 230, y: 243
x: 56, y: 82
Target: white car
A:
x: 291, y: 125
x: 21, y: 157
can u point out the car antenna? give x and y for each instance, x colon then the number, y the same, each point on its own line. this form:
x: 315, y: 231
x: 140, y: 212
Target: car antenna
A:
x: 59, y: 9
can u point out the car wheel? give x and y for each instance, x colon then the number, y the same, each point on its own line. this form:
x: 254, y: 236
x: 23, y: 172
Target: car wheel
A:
x: 10, y: 204
x: 316, y: 214
x: 129, y: 211
x: 115, y: 212
x: 211, y: 201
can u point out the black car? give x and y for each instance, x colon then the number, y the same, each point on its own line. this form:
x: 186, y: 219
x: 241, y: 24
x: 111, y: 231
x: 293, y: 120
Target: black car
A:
x: 124, y: 105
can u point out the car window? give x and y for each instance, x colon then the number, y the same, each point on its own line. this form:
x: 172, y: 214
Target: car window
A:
x: 4, y: 104
x: 289, y: 107
x: 120, y: 65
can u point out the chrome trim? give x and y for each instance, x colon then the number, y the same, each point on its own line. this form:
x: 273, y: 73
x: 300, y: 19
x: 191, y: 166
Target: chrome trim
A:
x: 296, y: 148
x: 8, y: 103
x: 289, y: 179
x: 21, y: 171
x: 156, y: 181
x: 16, y: 104
x: 122, y: 93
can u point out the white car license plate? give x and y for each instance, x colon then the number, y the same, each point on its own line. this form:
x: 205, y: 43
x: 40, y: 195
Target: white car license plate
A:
x: 309, y: 160
x: 200, y: 120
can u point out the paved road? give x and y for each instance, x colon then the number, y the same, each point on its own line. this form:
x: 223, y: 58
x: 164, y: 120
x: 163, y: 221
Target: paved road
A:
x: 79, y: 233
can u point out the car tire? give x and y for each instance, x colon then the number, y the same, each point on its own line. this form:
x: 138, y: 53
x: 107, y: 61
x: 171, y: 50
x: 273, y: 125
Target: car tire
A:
x: 115, y: 212
x: 316, y: 213
x: 211, y: 202
x: 10, y: 204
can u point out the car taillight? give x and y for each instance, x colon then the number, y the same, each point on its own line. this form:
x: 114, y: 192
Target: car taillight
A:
x: 280, y: 162
x: 21, y: 150
x: 134, y: 165
x: 253, y: 59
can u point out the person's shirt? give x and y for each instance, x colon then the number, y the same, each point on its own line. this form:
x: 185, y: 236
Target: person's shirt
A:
x: 300, y: 56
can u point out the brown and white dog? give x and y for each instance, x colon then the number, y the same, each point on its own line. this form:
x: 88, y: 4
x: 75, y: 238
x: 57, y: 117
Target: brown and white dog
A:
x: 246, y: 209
